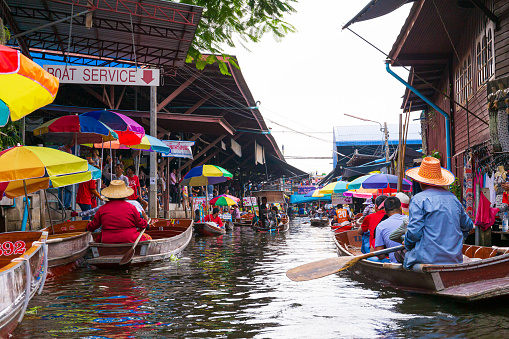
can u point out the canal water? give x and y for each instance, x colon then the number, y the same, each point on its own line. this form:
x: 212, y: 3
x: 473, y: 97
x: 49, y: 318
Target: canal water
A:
x: 235, y: 286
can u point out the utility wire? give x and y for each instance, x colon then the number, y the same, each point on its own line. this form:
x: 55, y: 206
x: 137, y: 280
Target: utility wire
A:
x: 417, y: 76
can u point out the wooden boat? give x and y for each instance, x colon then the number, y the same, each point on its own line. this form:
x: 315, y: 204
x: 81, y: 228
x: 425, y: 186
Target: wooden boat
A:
x: 23, y: 269
x: 67, y: 246
x: 206, y: 229
x: 243, y: 222
x: 302, y: 215
x: 283, y: 227
x: 320, y: 222
x: 228, y: 225
x: 484, y: 275
x: 169, y: 237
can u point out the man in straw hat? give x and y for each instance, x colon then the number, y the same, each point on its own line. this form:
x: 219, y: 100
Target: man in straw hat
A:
x: 120, y: 220
x: 438, y: 223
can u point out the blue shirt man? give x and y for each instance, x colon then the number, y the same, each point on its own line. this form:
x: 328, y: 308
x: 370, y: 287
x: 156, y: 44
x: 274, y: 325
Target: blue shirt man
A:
x: 385, y: 228
x: 436, y: 229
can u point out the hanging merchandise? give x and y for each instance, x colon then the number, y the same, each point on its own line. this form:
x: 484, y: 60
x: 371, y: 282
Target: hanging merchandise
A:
x: 485, y: 216
x: 493, y: 117
x: 500, y: 178
x: 502, y: 120
x: 489, y: 183
x: 468, y: 196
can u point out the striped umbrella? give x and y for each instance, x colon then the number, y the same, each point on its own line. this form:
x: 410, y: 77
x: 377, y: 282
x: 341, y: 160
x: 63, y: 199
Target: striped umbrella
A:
x: 335, y: 187
x: 206, y: 175
x: 148, y: 144
x: 385, y: 182
x: 314, y: 194
x: 129, y: 131
x: 224, y: 200
x: 357, y: 183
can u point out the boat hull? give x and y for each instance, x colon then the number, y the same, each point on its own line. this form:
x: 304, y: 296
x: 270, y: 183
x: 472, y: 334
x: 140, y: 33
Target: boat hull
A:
x: 67, y: 246
x: 21, y: 278
x: 206, y: 230
x: 321, y: 222
x: 167, y: 240
x: 283, y: 227
x: 487, y: 276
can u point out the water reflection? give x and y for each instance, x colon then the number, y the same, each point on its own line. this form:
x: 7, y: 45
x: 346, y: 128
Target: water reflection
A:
x: 235, y: 286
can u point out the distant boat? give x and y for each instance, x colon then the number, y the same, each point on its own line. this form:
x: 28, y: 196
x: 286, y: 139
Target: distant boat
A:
x: 208, y: 229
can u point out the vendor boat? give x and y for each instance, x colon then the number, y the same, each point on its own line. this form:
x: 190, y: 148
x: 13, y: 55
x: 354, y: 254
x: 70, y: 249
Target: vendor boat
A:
x: 208, y: 229
x: 23, y: 269
x: 67, y: 246
x: 283, y: 227
x: 169, y: 237
x: 485, y: 274
x: 320, y: 222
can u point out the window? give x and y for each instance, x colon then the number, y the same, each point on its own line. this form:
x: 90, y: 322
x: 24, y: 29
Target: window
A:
x: 485, y: 56
x: 463, y: 80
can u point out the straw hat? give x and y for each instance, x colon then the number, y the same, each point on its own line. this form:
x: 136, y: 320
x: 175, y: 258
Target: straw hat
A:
x: 117, y: 190
x: 431, y: 173
x: 368, y: 201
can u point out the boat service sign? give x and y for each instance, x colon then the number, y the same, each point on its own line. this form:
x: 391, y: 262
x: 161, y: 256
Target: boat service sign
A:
x: 104, y: 75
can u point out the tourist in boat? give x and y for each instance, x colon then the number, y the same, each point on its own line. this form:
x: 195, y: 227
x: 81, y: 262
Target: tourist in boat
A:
x: 274, y: 217
x: 394, y: 219
x: 438, y: 222
x: 370, y: 222
x: 214, y: 217
x: 370, y: 207
x: 120, y: 221
x: 235, y: 212
x: 134, y: 183
x: 342, y: 216
x: 119, y: 174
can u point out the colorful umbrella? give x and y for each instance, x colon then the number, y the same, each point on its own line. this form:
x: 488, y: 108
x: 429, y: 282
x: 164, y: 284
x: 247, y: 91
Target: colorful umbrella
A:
x: 314, y: 194
x: 24, y: 85
x: 148, y: 144
x: 357, y: 183
x: 80, y: 128
x: 385, y: 181
x: 206, y: 175
x: 224, y: 200
x: 335, y: 187
x: 129, y: 131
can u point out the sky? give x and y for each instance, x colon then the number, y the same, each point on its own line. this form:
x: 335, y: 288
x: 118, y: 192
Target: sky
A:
x: 311, y: 78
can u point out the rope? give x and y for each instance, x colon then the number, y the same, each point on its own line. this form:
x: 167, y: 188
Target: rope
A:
x: 446, y: 31
x: 70, y: 35
x: 132, y: 35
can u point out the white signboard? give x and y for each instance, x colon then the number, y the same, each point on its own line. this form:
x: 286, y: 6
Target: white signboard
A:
x: 249, y: 201
x: 104, y: 75
x: 339, y: 198
x: 179, y: 149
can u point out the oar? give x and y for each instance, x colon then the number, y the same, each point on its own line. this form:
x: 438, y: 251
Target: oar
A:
x: 322, y: 268
x: 130, y: 254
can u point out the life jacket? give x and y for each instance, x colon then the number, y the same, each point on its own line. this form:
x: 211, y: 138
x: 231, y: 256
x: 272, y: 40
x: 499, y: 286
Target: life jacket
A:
x: 342, y: 215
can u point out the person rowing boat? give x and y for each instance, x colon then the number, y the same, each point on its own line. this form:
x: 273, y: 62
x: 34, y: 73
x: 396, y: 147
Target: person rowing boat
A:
x: 120, y: 221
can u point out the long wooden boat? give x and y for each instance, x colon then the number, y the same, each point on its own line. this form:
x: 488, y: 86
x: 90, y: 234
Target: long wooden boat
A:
x: 485, y: 274
x: 169, y: 237
x: 283, y: 227
x: 206, y: 229
x: 320, y: 222
x: 302, y: 215
x: 243, y: 222
x: 67, y: 246
x: 23, y: 269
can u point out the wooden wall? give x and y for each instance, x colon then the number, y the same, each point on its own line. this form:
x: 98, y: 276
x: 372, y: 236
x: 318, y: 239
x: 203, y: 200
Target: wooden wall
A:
x: 501, y: 9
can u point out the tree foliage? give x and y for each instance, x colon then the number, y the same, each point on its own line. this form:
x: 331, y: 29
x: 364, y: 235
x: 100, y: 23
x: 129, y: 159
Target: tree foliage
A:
x: 225, y: 20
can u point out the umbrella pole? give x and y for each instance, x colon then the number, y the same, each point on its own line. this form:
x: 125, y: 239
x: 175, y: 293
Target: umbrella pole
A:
x: 111, y: 166
x: 28, y: 206
x: 73, y: 198
x: 101, y: 165
x: 49, y: 212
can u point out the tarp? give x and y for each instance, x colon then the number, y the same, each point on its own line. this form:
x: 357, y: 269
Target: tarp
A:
x: 362, y: 170
x: 236, y: 148
x: 300, y: 199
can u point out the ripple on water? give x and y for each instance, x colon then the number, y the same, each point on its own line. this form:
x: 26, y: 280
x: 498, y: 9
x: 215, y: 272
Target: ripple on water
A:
x: 235, y: 286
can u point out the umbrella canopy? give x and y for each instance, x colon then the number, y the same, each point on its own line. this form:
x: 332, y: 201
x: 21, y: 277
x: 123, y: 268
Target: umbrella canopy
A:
x: 385, y: 181
x: 148, y: 144
x: 24, y: 85
x: 362, y: 193
x: 40, y: 167
x: 357, y: 183
x: 129, y: 131
x: 314, y: 194
x: 71, y: 127
x: 224, y: 200
x: 335, y: 187
x: 206, y: 175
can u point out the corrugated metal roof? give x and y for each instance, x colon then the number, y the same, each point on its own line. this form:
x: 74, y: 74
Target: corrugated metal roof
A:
x: 371, y: 135
x: 163, y: 30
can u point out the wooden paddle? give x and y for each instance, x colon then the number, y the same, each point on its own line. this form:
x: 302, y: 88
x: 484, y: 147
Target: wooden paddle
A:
x: 322, y: 268
x: 130, y: 254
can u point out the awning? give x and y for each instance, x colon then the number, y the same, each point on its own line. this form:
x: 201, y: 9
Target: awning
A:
x: 362, y: 170
x: 286, y: 167
x: 300, y: 199
x: 377, y: 8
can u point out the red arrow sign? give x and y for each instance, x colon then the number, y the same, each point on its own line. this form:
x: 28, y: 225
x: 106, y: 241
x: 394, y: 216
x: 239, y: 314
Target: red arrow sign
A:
x: 147, y: 76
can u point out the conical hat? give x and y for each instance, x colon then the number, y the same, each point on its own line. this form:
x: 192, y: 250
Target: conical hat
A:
x: 117, y: 190
x: 431, y: 173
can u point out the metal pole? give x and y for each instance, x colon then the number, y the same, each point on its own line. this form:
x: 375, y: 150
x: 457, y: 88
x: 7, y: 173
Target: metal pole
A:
x: 49, y: 212
x: 152, y: 199
x: 22, y: 128
x: 28, y: 206
x: 73, y: 197
x: 400, y: 179
x: 386, y: 131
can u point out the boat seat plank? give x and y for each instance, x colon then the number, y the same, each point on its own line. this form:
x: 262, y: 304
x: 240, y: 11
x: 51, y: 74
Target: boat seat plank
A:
x: 64, y: 235
x: 469, y: 252
x: 478, y: 290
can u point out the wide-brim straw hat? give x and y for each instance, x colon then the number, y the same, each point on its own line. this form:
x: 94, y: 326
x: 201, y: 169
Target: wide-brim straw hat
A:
x: 431, y: 173
x: 117, y: 190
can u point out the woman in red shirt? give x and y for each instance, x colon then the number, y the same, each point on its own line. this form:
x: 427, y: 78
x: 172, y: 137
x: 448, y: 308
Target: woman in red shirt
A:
x: 214, y: 217
x: 120, y: 220
x: 86, y: 192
